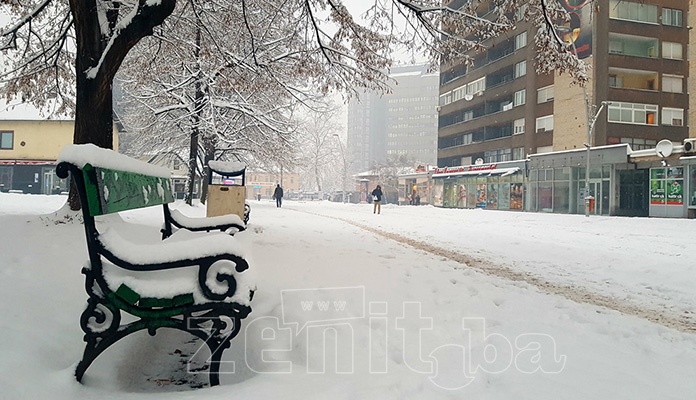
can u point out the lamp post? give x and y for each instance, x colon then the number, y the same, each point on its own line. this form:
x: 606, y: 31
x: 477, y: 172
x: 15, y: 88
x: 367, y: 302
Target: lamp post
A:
x: 590, y: 127
x: 343, y: 156
x: 591, y: 114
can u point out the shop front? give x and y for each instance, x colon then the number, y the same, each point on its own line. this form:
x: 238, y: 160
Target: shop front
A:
x: 498, y: 186
x: 30, y: 176
x: 415, y: 188
x: 558, y: 184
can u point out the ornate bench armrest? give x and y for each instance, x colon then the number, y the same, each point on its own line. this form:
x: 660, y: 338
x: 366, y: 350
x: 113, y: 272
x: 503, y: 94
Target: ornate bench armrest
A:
x: 164, y: 269
x: 221, y: 223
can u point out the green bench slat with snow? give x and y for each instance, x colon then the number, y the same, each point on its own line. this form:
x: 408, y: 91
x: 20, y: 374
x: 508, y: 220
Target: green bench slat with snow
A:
x: 200, y: 285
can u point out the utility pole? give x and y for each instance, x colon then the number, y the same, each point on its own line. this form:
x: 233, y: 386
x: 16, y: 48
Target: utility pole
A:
x: 591, y: 115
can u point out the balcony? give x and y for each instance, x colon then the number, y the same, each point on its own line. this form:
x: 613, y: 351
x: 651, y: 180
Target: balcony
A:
x: 500, y: 77
x: 635, y: 46
x: 622, y: 78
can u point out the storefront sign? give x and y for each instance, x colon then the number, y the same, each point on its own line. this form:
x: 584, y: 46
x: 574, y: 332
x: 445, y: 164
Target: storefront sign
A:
x: 468, y: 168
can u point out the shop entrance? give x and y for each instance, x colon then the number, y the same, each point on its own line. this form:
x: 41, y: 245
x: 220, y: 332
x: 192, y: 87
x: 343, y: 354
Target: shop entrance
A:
x: 599, y: 189
x: 633, y: 193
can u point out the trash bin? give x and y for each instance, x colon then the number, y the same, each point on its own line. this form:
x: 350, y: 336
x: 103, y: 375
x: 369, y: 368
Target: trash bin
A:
x: 226, y: 190
x: 590, y: 203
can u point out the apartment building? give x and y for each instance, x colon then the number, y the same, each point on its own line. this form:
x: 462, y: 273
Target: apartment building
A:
x: 400, y: 123
x: 499, y: 109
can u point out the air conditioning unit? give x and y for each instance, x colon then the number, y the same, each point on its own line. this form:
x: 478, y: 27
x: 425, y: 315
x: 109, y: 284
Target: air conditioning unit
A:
x: 690, y: 145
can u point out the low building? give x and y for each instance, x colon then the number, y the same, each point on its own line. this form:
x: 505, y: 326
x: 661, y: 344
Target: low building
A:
x: 261, y: 183
x: 29, y: 148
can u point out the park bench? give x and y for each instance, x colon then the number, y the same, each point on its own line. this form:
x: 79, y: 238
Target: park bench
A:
x: 198, y: 285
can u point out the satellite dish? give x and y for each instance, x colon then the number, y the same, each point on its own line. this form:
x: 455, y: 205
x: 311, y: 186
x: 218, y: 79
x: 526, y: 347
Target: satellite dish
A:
x: 468, y: 97
x: 478, y: 161
x: 664, y: 148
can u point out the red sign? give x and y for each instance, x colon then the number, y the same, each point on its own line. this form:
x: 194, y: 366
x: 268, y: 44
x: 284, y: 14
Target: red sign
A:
x: 454, y: 170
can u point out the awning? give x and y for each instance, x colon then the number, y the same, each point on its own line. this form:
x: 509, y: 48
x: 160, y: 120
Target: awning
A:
x: 27, y: 162
x: 484, y: 172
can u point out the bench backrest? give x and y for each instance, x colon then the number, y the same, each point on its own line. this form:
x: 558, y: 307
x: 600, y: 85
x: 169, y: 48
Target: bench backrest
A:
x: 109, y: 191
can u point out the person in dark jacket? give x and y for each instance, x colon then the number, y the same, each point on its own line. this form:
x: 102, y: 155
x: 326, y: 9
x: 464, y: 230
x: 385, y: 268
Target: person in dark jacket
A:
x: 278, y: 195
x: 377, y: 199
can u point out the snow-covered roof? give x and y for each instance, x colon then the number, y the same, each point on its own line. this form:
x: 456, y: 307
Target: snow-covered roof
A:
x: 29, y: 112
x: 82, y: 154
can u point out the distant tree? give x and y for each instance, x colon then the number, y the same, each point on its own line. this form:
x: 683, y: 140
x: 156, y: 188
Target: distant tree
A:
x: 388, y: 173
x: 320, y: 152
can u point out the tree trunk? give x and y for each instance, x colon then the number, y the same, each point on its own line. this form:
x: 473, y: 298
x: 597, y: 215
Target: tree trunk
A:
x: 209, y: 156
x: 93, y: 102
x: 316, y: 175
x: 195, y: 131
x: 192, y: 165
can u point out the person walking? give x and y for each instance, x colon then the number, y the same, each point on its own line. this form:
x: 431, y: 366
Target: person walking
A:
x: 377, y: 200
x: 278, y: 195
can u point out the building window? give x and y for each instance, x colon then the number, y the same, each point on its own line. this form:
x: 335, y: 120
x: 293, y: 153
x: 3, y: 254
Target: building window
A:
x: 633, y: 11
x: 544, y: 123
x: 521, y: 40
x: 672, y: 116
x: 477, y: 86
x: 671, y: 17
x: 615, y: 81
x: 518, y: 125
x: 494, y: 156
x: 445, y: 98
x: 632, y: 113
x: 520, y: 69
x: 545, y: 94
x: 6, y: 140
x: 518, y: 153
x: 520, y: 97
x: 672, y: 50
x: 672, y: 83
x: 636, y: 144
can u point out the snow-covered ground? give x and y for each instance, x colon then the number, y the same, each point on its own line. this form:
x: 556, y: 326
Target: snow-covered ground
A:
x: 415, y: 303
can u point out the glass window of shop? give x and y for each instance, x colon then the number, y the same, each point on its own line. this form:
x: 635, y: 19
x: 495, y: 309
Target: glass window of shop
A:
x: 438, y: 188
x: 551, y: 190
x: 490, y: 192
x: 449, y: 192
x: 667, y: 186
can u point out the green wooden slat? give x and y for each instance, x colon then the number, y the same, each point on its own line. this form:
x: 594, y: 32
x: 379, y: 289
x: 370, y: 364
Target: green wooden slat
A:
x: 127, y: 294
x: 91, y: 190
x: 151, y: 302
x: 121, y: 191
x: 183, y: 299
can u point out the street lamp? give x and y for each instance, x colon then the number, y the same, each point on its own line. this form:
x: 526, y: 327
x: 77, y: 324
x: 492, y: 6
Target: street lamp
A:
x: 343, y: 156
x: 590, y: 127
x: 591, y: 116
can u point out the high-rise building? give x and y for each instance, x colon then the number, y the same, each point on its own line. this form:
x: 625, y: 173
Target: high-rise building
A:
x: 499, y: 109
x: 401, y: 123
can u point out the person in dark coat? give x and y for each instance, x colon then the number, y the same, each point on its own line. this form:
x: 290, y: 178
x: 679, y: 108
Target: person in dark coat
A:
x: 377, y: 199
x: 278, y: 195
